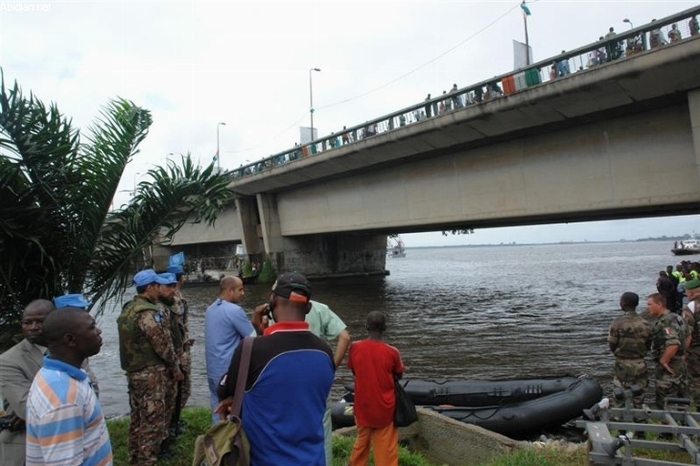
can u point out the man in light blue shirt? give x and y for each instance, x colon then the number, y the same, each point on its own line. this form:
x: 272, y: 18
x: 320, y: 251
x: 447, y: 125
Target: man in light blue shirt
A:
x: 225, y: 326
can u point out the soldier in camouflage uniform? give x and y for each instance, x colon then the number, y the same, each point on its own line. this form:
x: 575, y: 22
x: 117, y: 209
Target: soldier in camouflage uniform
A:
x: 691, y: 315
x: 182, y: 310
x: 147, y: 355
x: 668, y: 344
x: 629, y: 339
x: 166, y: 302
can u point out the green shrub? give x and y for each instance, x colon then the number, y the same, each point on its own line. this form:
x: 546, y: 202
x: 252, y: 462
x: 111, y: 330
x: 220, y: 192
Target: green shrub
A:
x: 267, y: 274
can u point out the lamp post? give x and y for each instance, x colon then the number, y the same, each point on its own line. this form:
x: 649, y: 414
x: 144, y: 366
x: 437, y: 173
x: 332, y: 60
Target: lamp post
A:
x: 218, y: 157
x: 628, y: 22
x: 135, y: 175
x: 311, y: 100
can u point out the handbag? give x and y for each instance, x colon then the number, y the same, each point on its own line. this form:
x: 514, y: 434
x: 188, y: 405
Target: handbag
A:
x: 225, y: 443
x: 405, y: 412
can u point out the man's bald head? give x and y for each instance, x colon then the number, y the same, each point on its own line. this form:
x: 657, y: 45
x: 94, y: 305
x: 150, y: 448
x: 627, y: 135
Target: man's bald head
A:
x: 229, y: 281
x: 231, y: 289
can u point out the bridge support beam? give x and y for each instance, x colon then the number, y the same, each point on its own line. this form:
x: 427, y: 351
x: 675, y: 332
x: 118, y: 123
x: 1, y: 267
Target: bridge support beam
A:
x: 248, y: 218
x: 694, y: 108
x: 270, y: 228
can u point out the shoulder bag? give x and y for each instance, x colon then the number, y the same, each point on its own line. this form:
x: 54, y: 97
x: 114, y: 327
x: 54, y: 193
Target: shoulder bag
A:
x: 225, y: 444
x: 405, y: 412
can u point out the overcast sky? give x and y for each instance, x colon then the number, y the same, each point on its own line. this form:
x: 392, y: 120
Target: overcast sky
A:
x: 246, y: 63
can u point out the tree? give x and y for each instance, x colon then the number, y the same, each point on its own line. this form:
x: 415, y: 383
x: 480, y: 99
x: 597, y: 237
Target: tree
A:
x: 57, y: 232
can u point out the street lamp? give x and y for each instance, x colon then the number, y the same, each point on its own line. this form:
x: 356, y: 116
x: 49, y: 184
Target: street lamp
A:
x: 218, y: 157
x: 311, y: 100
x: 628, y: 22
x: 135, y: 175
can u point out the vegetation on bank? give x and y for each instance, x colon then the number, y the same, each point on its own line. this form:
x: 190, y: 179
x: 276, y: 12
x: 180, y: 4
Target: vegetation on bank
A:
x: 59, y: 232
x: 198, y: 420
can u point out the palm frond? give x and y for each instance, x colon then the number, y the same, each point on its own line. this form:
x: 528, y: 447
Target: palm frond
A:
x: 111, y: 144
x: 174, y: 196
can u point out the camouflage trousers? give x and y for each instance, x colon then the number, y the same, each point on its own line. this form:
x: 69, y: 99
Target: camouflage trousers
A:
x: 668, y: 385
x: 187, y: 372
x: 170, y: 399
x: 692, y: 362
x: 148, y: 426
x: 630, y: 372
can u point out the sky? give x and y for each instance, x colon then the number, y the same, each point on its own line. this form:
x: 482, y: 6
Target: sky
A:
x: 195, y: 64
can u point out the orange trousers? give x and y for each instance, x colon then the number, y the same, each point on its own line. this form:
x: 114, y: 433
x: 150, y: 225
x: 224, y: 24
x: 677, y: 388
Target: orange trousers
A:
x: 384, y: 442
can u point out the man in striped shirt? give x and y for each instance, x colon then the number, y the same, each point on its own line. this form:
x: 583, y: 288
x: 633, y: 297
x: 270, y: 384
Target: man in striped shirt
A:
x: 65, y: 424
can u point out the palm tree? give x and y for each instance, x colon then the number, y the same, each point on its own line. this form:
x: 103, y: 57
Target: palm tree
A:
x: 57, y: 232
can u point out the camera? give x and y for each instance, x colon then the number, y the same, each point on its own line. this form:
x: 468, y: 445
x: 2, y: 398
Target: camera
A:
x: 11, y: 422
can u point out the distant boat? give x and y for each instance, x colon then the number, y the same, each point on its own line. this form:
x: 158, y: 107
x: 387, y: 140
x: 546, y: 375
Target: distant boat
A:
x: 686, y: 247
x: 397, y: 250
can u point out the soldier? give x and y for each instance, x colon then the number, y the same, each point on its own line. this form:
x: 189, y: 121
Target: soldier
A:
x: 668, y: 343
x: 182, y: 310
x: 629, y: 339
x: 166, y: 303
x: 691, y: 315
x: 148, y: 357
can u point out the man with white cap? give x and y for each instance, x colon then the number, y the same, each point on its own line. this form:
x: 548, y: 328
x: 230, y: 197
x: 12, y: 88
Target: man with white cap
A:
x: 148, y: 357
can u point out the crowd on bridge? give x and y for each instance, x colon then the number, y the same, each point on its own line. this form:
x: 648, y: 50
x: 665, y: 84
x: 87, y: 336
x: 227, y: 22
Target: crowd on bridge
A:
x: 611, y: 48
x: 665, y: 338
x: 53, y: 411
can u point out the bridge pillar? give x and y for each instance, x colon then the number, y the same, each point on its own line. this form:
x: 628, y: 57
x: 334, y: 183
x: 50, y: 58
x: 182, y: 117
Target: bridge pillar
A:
x: 694, y: 107
x: 336, y: 254
x: 248, y: 218
x: 271, y: 231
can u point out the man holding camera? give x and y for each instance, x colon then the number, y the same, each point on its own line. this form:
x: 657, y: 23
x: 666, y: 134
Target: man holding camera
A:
x: 280, y: 397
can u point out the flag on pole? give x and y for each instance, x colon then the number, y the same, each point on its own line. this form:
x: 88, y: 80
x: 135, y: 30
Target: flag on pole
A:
x: 526, y: 10
x: 176, y: 259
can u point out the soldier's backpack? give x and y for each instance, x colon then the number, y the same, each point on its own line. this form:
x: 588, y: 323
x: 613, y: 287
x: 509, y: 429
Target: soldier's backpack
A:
x: 225, y: 443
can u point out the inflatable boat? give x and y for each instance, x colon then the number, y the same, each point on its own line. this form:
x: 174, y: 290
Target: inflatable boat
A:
x: 516, y: 408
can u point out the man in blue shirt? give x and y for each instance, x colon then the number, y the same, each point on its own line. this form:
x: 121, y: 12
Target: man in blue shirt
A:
x: 225, y: 325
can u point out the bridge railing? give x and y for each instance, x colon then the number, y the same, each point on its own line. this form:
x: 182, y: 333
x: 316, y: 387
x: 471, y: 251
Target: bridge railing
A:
x: 610, y: 48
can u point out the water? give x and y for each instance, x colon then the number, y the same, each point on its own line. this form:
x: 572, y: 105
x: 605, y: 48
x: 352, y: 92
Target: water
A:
x: 488, y: 312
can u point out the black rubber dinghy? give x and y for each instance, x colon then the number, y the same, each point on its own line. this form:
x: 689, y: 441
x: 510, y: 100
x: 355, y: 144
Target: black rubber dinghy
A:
x: 516, y: 408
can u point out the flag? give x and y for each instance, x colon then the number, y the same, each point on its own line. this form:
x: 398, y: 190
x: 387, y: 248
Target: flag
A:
x: 176, y: 259
x: 526, y: 10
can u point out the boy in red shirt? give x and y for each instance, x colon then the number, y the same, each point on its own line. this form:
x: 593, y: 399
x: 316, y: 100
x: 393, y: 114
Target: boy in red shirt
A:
x: 374, y: 364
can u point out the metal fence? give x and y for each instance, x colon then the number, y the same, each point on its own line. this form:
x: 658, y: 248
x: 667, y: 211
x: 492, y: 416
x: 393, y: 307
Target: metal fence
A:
x: 610, y: 48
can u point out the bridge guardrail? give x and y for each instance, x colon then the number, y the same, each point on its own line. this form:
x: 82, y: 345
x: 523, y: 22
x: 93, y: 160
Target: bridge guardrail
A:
x: 610, y: 48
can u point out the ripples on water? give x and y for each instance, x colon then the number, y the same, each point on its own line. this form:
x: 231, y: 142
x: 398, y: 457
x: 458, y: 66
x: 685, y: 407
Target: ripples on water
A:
x: 489, y: 312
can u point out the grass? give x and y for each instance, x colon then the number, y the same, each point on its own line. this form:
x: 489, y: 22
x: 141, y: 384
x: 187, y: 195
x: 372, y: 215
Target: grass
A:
x: 198, y: 420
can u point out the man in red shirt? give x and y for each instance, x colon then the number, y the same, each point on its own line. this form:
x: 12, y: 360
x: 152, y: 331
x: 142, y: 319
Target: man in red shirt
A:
x: 375, y: 364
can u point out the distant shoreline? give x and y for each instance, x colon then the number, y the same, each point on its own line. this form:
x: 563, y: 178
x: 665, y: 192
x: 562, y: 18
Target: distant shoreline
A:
x: 560, y: 243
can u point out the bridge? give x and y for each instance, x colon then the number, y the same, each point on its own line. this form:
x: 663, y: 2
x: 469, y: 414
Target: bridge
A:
x: 608, y: 131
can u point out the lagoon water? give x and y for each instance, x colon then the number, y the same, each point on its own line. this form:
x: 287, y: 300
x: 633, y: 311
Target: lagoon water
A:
x: 460, y: 312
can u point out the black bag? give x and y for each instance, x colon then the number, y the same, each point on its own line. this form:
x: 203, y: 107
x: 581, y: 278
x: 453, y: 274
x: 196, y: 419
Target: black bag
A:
x: 405, y: 412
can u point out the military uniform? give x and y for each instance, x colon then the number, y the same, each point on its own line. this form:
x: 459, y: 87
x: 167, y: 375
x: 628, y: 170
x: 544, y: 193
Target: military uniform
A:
x: 182, y: 311
x: 148, y: 357
x: 172, y: 321
x: 669, y: 329
x: 691, y: 315
x: 629, y: 338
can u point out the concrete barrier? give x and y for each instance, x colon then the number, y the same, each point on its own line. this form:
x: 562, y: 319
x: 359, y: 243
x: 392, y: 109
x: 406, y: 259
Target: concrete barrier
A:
x: 445, y: 441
